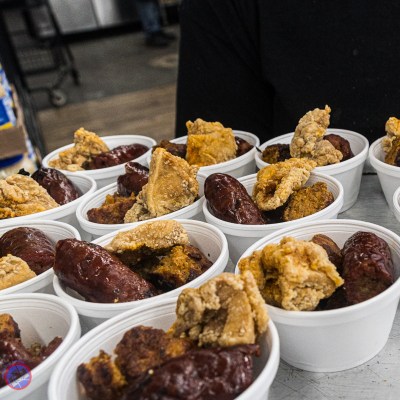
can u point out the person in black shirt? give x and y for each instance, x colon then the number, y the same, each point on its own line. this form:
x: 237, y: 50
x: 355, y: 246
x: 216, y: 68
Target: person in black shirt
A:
x: 260, y: 65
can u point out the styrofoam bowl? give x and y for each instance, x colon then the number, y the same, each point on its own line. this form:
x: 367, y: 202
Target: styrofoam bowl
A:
x: 396, y: 203
x: 64, y: 385
x: 348, y: 172
x: 65, y: 213
x: 388, y: 175
x: 335, y: 340
x: 41, y: 317
x: 95, y: 230
x: 55, y: 231
x: 105, y: 176
x: 209, y: 239
x: 239, y: 166
x: 241, y: 236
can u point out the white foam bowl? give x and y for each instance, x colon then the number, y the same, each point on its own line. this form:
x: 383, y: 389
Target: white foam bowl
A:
x: 55, y: 231
x: 95, y: 230
x: 348, y: 172
x: 105, y: 176
x: 335, y: 340
x: 64, y: 385
x: 41, y: 317
x: 240, y: 166
x: 210, y: 240
x: 65, y: 213
x: 396, y: 203
x: 241, y: 236
x: 388, y: 175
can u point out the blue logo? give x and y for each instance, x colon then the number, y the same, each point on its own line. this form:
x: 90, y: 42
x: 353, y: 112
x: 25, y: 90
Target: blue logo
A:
x: 18, y: 375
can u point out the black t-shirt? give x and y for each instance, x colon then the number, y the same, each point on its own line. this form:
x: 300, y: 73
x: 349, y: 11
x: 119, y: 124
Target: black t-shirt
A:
x: 260, y: 65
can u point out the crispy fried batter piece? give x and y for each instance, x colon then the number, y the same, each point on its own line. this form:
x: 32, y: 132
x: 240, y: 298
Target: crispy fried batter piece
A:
x: 86, y: 145
x: 308, y: 201
x: 209, y: 143
x: 172, y: 185
x: 227, y: 310
x: 13, y: 270
x: 294, y: 274
x: 276, y: 182
x: 151, y: 238
x: 391, y: 142
x: 276, y: 153
x: 101, y: 378
x: 143, y: 348
x: 8, y: 327
x: 308, y: 142
x: 22, y: 195
x: 113, y: 210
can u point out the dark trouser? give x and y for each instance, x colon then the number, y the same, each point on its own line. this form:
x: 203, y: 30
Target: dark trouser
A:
x: 149, y: 14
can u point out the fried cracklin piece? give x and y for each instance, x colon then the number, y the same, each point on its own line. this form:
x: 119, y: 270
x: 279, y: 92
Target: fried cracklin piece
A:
x: 227, y: 310
x: 293, y: 274
x: 391, y: 142
x: 22, y: 195
x: 308, y: 201
x: 276, y: 182
x: 8, y: 327
x: 13, y: 270
x: 209, y: 143
x: 86, y: 145
x: 308, y: 141
x: 172, y: 185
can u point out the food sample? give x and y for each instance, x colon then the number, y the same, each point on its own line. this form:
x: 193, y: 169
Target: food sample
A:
x: 12, y: 349
x: 308, y: 140
x: 86, y: 146
x: 227, y: 310
x: 367, y: 266
x: 308, y: 201
x: 21, y: 195
x: 116, y: 156
x: 209, y: 143
x: 294, y: 274
x: 58, y: 186
x: 276, y: 153
x: 229, y: 200
x: 133, y: 180
x: 172, y: 185
x: 113, y: 210
x: 96, y: 275
x: 31, y: 245
x: 341, y: 144
x: 243, y: 146
x: 13, y: 270
x: 391, y: 142
x: 276, y: 182
x: 332, y: 249
x: 176, y: 149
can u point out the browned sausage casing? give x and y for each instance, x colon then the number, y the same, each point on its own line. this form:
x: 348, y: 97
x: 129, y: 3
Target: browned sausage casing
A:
x: 135, y: 178
x: 97, y: 275
x: 341, y: 144
x: 30, y: 244
x: 243, y: 146
x: 367, y: 266
x: 229, y: 200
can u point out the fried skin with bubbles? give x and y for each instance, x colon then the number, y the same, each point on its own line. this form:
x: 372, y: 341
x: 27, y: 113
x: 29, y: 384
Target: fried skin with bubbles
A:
x: 308, y: 201
x: 294, y: 274
x: 227, y: 310
x: 14, y: 270
x: 276, y: 182
x: 391, y: 142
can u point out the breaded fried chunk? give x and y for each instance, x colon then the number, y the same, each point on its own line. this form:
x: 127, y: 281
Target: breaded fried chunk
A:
x: 13, y: 270
x: 276, y: 153
x: 227, y: 310
x: 209, y: 143
x: 22, y: 195
x: 86, y: 145
x: 8, y: 327
x: 294, y: 274
x: 276, y: 182
x: 391, y: 142
x: 308, y: 201
x: 172, y: 185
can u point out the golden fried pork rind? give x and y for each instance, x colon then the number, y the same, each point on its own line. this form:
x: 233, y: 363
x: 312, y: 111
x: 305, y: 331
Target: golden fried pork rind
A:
x: 86, y: 145
x: 22, y: 195
x: 391, y: 142
x: 172, y: 185
x: 276, y: 182
x: 308, y: 142
x: 13, y: 270
x: 294, y: 274
x: 209, y: 143
x: 227, y: 310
